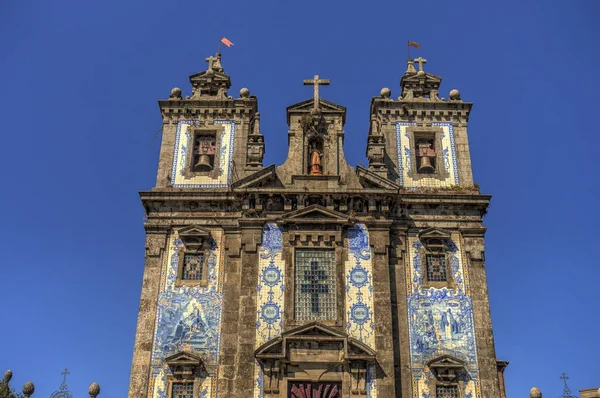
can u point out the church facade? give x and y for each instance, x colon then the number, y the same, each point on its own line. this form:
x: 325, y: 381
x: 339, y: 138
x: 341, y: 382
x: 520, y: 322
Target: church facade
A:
x: 314, y: 278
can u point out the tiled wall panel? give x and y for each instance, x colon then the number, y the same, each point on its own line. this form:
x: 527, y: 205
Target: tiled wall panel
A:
x: 189, y: 318
x: 440, y: 320
x: 182, y: 141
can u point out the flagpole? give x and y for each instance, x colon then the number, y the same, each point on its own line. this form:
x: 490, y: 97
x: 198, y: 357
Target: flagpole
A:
x: 408, y: 47
x: 219, y: 47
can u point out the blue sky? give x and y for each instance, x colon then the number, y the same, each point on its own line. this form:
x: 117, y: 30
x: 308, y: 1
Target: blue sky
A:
x: 80, y: 82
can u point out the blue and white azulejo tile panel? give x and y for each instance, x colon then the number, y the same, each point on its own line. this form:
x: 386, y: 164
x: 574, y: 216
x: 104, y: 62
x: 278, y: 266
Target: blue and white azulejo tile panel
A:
x: 406, y: 158
x: 359, y: 294
x: 226, y: 129
x: 440, y: 320
x: 270, y: 294
x: 188, y: 318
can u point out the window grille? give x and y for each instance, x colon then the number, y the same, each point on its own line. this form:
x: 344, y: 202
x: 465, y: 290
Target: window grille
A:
x: 192, y: 267
x: 315, y: 285
x: 436, y: 268
x: 183, y: 390
x: 446, y: 391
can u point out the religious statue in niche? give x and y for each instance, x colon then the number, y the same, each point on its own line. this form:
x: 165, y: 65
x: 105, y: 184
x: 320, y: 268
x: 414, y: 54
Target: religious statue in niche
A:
x: 315, y: 166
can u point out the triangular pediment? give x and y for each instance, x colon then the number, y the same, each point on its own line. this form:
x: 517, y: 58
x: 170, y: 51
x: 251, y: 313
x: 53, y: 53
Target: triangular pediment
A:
x: 318, y: 334
x: 213, y: 76
x: 414, y: 77
x: 434, y: 233
x: 446, y: 361
x: 315, y: 213
x: 326, y: 107
x: 193, y: 230
x: 375, y: 180
x: 262, y: 178
x: 183, y: 358
x: 315, y: 330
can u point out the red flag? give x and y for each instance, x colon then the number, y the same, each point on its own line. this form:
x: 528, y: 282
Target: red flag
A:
x: 227, y: 42
x: 413, y: 44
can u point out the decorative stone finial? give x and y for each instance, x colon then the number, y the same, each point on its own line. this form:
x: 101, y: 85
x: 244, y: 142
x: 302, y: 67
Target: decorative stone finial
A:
x: 410, y: 67
x: 28, y: 389
x: 244, y: 93
x: 421, y: 73
x: 535, y: 393
x: 385, y: 92
x: 94, y: 390
x: 175, y: 94
x: 7, y: 376
x: 256, y: 126
x: 455, y: 95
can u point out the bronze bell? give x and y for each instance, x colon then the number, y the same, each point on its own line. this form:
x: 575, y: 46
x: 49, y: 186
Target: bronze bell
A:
x: 426, y: 166
x: 203, y: 162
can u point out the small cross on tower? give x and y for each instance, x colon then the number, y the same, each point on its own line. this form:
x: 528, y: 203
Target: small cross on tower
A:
x: 316, y: 82
x: 65, y: 373
x: 210, y: 61
x: 421, y: 61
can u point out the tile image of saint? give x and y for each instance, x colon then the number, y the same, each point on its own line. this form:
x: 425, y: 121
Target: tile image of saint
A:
x: 438, y: 327
x: 189, y: 330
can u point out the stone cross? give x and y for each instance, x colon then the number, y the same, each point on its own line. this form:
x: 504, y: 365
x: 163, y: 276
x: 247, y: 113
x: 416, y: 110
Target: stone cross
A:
x: 210, y: 61
x: 316, y: 82
x: 421, y: 61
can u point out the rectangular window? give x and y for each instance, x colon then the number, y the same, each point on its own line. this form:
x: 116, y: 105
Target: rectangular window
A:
x: 192, y: 266
x: 315, y: 285
x: 446, y: 391
x: 436, y: 268
x: 182, y: 390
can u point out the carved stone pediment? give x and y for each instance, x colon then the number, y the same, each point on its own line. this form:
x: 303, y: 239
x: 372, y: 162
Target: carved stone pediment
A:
x: 326, y: 108
x: 314, y: 343
x: 185, y: 364
x: 195, y: 238
x: 315, y: 214
x: 434, y: 239
x: 446, y: 368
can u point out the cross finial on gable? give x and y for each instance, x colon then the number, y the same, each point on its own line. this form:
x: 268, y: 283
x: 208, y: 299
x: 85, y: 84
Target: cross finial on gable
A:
x: 421, y: 61
x: 316, y: 82
x: 210, y: 61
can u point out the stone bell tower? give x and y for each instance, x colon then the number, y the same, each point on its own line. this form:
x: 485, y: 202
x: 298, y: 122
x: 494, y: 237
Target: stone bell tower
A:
x: 314, y: 278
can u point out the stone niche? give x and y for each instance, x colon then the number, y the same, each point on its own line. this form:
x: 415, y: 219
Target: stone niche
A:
x: 315, y: 359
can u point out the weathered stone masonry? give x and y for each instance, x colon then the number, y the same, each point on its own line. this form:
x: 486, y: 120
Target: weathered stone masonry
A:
x: 313, y: 276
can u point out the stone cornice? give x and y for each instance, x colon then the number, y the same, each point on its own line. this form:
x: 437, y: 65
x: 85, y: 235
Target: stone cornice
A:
x: 392, y: 111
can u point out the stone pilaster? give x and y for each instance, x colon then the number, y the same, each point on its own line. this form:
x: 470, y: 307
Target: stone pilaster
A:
x: 231, y: 314
x: 142, y: 352
x: 402, y: 370
x: 243, y: 382
x: 384, y: 344
x: 484, y: 337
